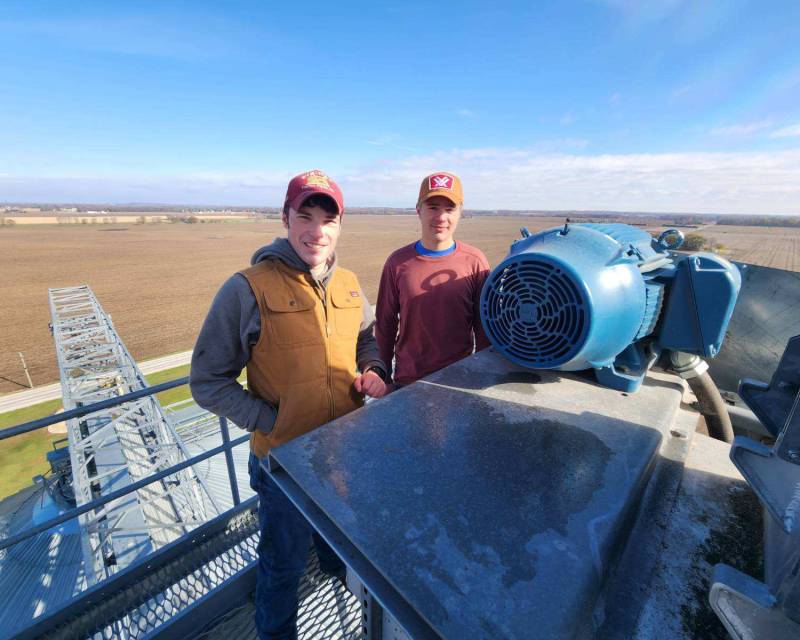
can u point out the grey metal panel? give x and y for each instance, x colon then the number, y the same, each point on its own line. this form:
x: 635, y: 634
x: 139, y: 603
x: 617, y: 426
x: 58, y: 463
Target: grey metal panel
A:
x: 39, y: 574
x: 747, y: 608
x: 214, y: 473
x: 766, y: 315
x: 492, y: 499
x: 356, y: 562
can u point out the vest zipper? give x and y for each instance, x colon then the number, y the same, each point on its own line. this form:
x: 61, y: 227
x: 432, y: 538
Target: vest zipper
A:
x: 324, y: 297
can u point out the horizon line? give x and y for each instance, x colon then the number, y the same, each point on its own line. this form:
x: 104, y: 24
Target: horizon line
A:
x: 216, y: 207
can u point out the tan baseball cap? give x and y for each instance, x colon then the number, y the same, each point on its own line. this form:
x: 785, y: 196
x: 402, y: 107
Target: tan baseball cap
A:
x: 441, y: 184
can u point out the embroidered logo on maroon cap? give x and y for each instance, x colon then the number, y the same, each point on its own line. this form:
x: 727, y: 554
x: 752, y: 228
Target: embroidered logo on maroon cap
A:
x: 440, y: 181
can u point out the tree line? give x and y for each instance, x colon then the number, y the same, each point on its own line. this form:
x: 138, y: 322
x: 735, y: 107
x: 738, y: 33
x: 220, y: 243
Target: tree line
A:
x: 760, y: 221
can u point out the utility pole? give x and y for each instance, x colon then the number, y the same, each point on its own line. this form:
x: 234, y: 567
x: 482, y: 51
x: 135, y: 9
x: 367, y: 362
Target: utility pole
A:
x: 25, y: 366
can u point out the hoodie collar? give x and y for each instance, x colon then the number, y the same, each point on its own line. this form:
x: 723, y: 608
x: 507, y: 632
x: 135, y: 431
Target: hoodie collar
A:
x: 281, y: 249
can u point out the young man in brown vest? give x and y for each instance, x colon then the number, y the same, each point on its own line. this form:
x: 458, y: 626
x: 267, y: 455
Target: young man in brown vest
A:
x: 303, y: 329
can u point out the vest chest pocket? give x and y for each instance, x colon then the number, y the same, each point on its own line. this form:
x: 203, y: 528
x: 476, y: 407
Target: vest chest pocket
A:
x: 291, y: 317
x: 348, y: 311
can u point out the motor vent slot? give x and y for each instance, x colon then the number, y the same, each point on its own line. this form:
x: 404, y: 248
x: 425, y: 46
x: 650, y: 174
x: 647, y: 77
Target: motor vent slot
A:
x: 534, y: 313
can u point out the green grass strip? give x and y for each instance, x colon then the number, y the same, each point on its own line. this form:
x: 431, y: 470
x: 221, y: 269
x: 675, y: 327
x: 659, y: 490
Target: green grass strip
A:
x: 23, y: 457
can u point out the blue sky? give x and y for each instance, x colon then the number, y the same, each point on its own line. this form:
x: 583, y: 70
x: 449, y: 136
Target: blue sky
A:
x: 658, y: 105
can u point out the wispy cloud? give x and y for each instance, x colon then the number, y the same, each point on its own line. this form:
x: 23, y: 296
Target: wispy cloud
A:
x: 559, y: 145
x: 787, y: 132
x: 513, y: 178
x: 638, y: 12
x: 466, y: 113
x: 680, y: 92
x: 382, y: 140
x: 742, y: 129
x: 788, y: 79
x: 567, y: 119
x: 494, y: 178
x: 392, y: 141
x: 615, y: 98
x: 684, y: 20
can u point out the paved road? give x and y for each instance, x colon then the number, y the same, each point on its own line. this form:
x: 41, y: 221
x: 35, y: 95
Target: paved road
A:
x: 20, y: 399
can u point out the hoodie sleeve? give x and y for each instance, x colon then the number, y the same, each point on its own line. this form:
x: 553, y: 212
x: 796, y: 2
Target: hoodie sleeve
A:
x: 367, y: 354
x: 231, y: 328
x: 388, y: 310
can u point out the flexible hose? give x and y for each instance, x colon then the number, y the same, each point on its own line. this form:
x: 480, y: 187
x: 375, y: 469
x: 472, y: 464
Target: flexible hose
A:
x: 712, y: 406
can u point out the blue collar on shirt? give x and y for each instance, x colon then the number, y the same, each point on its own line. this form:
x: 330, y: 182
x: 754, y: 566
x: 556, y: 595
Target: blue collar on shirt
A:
x: 421, y: 250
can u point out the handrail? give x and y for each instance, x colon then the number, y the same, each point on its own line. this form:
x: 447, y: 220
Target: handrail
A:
x: 226, y: 448
x: 226, y: 443
x: 77, y: 412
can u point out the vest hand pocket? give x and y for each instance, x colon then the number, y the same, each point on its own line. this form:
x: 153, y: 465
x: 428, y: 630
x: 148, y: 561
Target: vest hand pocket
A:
x: 301, y: 408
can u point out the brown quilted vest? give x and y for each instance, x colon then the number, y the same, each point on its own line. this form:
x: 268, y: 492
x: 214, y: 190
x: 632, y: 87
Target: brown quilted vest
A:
x: 304, y: 362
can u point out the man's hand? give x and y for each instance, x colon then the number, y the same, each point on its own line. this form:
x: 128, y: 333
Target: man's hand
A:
x: 370, y: 384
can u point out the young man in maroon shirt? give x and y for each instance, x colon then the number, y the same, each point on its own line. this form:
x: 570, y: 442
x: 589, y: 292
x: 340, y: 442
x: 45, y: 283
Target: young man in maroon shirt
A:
x: 428, y: 308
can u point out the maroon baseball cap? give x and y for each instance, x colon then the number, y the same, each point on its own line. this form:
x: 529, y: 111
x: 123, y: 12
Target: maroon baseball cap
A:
x: 310, y: 183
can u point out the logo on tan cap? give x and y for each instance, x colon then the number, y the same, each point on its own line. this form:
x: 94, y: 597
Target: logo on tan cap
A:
x: 441, y: 184
x: 440, y: 181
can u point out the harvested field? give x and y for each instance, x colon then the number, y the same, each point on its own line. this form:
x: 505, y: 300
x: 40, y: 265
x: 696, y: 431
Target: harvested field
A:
x: 776, y: 247
x: 157, y: 281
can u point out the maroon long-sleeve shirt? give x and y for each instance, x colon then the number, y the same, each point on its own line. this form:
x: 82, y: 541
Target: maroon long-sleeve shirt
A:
x: 428, y: 310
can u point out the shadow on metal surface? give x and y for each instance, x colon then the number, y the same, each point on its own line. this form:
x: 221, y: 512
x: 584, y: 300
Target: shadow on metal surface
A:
x: 767, y: 314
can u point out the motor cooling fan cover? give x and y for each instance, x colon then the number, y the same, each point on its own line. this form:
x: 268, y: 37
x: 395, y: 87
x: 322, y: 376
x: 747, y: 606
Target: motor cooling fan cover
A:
x: 534, y: 312
x: 564, y: 300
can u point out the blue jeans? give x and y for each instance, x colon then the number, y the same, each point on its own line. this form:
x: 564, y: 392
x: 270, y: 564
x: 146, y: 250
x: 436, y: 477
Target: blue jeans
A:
x: 282, y: 555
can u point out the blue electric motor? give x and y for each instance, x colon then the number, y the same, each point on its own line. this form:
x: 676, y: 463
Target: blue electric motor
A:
x: 607, y: 297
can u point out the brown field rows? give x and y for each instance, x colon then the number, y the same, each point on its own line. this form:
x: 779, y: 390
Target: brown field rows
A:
x: 776, y: 247
x: 158, y: 280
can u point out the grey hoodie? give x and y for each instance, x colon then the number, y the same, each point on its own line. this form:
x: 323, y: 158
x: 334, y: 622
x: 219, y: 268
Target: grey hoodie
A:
x: 230, y: 330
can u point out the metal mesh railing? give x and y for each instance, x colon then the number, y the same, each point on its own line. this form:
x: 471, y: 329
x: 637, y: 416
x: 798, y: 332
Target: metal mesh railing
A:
x: 138, y: 607
x: 327, y: 611
x: 135, y: 609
